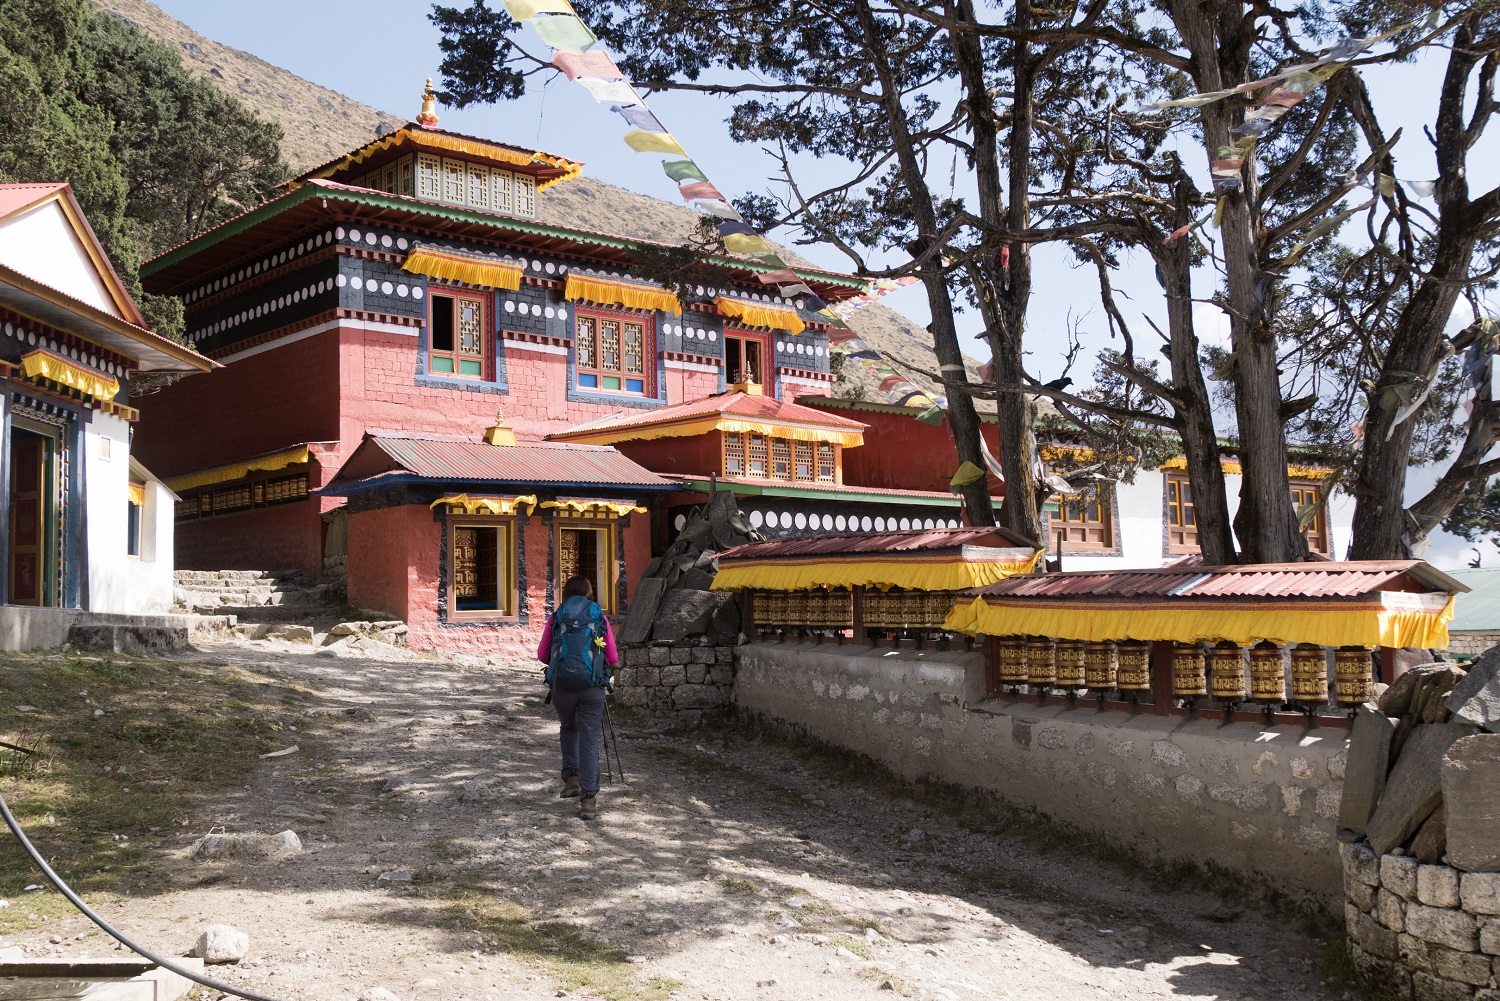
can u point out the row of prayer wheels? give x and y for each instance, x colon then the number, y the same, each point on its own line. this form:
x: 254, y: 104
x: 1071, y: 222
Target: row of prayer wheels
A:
x: 1219, y: 671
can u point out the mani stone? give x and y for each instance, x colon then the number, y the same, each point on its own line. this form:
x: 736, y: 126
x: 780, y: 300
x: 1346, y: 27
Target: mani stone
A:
x: 1471, y: 799
x: 1414, y: 788
x: 643, y: 605
x: 1368, y: 761
x: 1476, y: 698
x: 684, y: 613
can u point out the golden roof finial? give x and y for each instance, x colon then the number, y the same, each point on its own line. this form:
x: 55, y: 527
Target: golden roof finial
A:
x: 428, y: 117
x: 499, y: 433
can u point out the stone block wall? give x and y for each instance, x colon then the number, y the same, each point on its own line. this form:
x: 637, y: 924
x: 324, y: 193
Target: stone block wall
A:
x: 1472, y: 644
x: 1244, y: 798
x: 684, y: 679
x: 1422, y: 931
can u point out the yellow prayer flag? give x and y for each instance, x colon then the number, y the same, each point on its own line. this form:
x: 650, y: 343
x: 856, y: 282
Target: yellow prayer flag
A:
x: 653, y: 142
x: 525, y: 10
x: 746, y: 243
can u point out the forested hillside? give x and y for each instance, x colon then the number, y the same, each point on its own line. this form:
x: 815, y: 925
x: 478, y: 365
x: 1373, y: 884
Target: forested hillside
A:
x: 154, y: 154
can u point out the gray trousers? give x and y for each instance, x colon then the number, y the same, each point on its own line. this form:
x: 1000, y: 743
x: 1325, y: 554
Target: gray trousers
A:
x: 581, y: 714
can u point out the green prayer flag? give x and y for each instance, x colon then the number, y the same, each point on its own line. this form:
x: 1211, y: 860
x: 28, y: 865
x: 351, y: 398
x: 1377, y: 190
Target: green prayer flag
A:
x: 932, y: 415
x: 564, y: 31
x: 683, y: 170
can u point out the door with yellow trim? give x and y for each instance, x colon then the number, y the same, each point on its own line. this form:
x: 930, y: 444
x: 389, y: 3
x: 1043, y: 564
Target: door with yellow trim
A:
x: 30, y: 571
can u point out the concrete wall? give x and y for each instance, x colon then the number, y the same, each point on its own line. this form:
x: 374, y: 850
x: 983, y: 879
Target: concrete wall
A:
x: 1261, y: 802
x: 118, y: 582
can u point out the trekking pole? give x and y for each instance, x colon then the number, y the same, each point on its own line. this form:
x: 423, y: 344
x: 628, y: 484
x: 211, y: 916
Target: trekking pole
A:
x: 615, y: 740
x: 609, y: 775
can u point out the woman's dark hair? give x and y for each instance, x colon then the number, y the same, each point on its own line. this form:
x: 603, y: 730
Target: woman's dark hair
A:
x: 578, y: 585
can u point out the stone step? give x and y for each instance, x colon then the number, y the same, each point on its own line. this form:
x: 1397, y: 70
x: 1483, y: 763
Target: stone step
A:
x: 217, y: 578
x: 263, y: 613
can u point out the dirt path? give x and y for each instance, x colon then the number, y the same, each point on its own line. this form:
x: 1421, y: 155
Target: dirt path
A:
x: 730, y: 867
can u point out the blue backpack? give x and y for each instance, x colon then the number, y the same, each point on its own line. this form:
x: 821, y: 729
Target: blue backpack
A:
x: 577, y: 646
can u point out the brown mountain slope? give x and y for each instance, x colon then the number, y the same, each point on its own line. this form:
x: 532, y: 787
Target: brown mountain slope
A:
x: 319, y: 124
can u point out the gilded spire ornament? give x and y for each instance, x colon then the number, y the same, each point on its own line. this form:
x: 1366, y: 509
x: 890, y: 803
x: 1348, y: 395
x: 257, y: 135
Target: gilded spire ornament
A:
x: 428, y: 117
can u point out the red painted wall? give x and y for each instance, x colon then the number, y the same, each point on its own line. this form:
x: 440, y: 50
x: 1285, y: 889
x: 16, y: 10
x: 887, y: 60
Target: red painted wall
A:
x: 701, y: 455
x: 904, y: 454
x: 287, y: 537
x: 379, y: 561
x: 683, y: 385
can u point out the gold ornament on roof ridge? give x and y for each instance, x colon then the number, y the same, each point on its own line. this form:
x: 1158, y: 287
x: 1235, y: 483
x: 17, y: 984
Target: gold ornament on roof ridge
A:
x: 428, y: 118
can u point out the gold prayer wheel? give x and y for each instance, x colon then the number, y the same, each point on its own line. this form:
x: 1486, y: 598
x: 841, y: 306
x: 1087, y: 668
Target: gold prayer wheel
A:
x: 1267, y: 673
x: 1189, y: 671
x: 1041, y: 661
x: 1135, y: 666
x: 1226, y: 663
x: 1071, y: 672
x: 1099, y: 666
x: 1353, y: 675
x: 1309, y: 673
x: 1013, y: 660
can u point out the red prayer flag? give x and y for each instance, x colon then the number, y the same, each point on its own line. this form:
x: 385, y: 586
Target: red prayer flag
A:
x: 1283, y: 98
x: 594, y: 63
x: 1178, y: 234
x: 702, y: 190
x: 778, y: 277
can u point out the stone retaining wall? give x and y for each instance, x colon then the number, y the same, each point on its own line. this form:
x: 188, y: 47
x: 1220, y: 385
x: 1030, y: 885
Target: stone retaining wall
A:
x: 680, y: 678
x: 1472, y: 644
x: 1424, y: 932
x: 1254, y: 800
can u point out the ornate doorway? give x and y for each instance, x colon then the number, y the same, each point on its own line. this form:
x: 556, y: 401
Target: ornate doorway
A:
x: 34, y: 560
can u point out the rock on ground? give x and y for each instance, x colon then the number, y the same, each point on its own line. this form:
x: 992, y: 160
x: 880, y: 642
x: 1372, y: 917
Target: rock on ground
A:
x: 222, y: 944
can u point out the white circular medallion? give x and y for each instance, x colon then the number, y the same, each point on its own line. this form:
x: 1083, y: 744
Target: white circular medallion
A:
x: 416, y: 292
x: 386, y: 241
x: 353, y: 235
x: 880, y: 524
x: 387, y: 288
x: 551, y: 312
x: 865, y: 523
x: 342, y: 281
x: 801, y: 520
x: 401, y: 290
x: 757, y: 519
x: 679, y: 521
x: 402, y: 244
x: 840, y: 523
x: 357, y: 282
x: 905, y: 524
x: 510, y: 307
x: 370, y: 238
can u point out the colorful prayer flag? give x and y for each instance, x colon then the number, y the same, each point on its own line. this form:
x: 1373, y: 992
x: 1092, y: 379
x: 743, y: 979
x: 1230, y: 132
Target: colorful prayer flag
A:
x: 605, y: 91
x: 697, y: 190
x: 748, y: 244
x: 525, y: 10
x: 653, y: 142
x: 639, y: 116
x: 720, y: 210
x: 594, y: 63
x: 683, y: 170
x: 777, y: 277
x: 565, y: 32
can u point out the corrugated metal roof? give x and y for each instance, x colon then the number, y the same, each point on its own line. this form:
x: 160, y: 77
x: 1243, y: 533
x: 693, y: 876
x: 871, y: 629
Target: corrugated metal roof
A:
x: 419, y: 128
x: 736, y: 403
x: 924, y: 541
x: 1285, y: 580
x: 465, y: 459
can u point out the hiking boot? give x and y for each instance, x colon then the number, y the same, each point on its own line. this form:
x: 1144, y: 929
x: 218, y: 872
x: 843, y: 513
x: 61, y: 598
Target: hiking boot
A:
x: 586, y: 809
x: 570, y: 788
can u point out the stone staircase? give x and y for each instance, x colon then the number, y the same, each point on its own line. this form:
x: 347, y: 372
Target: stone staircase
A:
x: 254, y: 595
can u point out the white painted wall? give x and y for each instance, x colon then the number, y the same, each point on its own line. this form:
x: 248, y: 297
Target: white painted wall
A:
x: 43, y: 245
x: 118, y: 582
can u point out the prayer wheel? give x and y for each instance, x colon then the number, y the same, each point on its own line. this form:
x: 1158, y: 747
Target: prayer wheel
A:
x: 1267, y: 673
x: 1353, y: 675
x: 1041, y: 661
x: 1100, y: 670
x: 1309, y: 673
x: 1071, y: 672
x: 1189, y: 671
x: 1013, y: 660
x: 1226, y: 663
x: 1134, y: 666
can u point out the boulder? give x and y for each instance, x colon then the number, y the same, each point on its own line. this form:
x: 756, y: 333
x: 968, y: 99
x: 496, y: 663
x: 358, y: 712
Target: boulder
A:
x: 642, y: 613
x: 696, y: 532
x: 684, y: 613
x: 724, y: 630
x: 698, y: 579
x: 1368, y: 762
x: 1431, y: 842
x: 214, y: 846
x: 1476, y: 698
x: 1471, y: 799
x: 1414, y: 787
x: 222, y: 944
x: 1397, y: 698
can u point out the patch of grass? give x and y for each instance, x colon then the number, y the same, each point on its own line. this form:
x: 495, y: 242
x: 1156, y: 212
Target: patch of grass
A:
x: 171, y: 734
x: 858, y: 946
x: 558, y: 948
x: 884, y: 977
x: 734, y: 884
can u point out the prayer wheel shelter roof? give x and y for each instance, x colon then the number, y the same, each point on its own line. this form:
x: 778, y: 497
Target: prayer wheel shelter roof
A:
x: 1398, y: 603
x: 734, y: 411
x: 928, y: 559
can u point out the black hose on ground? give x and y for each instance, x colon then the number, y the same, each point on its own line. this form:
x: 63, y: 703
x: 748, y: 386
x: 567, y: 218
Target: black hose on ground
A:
x: 88, y: 912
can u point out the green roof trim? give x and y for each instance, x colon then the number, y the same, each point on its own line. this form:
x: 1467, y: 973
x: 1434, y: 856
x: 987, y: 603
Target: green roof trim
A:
x: 861, y: 496
x: 379, y: 199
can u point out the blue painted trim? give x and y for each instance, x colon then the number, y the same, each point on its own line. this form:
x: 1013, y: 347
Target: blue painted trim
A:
x: 423, y: 376
x: 452, y: 382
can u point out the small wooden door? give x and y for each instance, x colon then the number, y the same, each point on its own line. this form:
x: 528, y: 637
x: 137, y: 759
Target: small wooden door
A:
x: 28, y: 519
x: 586, y: 551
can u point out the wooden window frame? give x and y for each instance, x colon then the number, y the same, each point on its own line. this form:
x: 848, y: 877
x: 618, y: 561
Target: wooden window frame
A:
x: 766, y: 375
x: 1173, y: 503
x: 827, y: 471
x: 607, y: 526
x: 821, y: 459
x: 429, y: 177
x: 455, y: 357
x: 506, y: 570
x: 523, y: 195
x: 1316, y: 534
x: 1104, y: 500
x: 597, y: 371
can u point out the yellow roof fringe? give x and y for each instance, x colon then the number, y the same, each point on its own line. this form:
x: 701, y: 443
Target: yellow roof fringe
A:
x: 945, y: 573
x: 137, y: 494
x: 450, y: 265
x: 761, y: 314
x: 631, y: 294
x: 617, y: 509
x: 453, y: 144
x: 41, y: 364
x: 1391, y: 618
x: 485, y: 505
x: 238, y: 470
x: 688, y: 429
x: 1235, y: 469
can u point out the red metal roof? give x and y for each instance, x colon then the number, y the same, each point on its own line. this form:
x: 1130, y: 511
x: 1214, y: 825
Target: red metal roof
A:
x: 924, y: 541
x: 1284, y: 580
x: 14, y: 197
x: 734, y: 403
x: 459, y: 460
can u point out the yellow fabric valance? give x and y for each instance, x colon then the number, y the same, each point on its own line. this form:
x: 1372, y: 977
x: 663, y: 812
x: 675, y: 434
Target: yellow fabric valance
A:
x: 617, y: 509
x: 1233, y: 468
x: 1391, y: 618
x: 238, y: 470
x: 423, y: 139
x: 137, y: 493
x: 55, y: 368
x: 706, y: 425
x: 593, y: 288
x: 928, y: 573
x: 761, y: 314
x: 486, y: 505
x: 454, y: 266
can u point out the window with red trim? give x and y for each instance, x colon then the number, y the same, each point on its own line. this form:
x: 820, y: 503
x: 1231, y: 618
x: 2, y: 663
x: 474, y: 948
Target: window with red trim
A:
x: 458, y: 340
x: 614, y: 353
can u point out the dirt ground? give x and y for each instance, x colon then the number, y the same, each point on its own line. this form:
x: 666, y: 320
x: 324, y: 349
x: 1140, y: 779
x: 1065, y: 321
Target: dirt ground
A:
x: 438, y: 862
